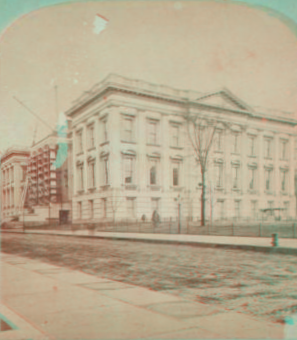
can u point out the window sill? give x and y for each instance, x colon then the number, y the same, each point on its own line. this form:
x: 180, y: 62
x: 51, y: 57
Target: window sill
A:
x: 149, y: 144
x: 252, y: 156
x: 155, y: 187
x: 267, y: 192
x: 130, y: 186
x: 176, y: 147
x: 284, y: 193
x: 268, y: 158
x: 252, y: 192
x: 219, y: 188
x: 218, y: 151
x: 176, y: 188
x: 92, y: 148
x: 236, y: 190
x: 80, y: 192
x: 80, y: 153
x: 104, y: 143
x: 92, y: 189
x: 105, y: 187
x: 235, y: 153
x: 128, y: 142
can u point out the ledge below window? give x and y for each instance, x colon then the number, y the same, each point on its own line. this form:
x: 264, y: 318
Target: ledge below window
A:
x: 149, y: 144
x: 177, y: 188
x: 80, y: 192
x: 268, y: 192
x: 104, y: 143
x: 176, y: 147
x: 252, y: 192
x: 130, y: 186
x: 155, y: 187
x: 284, y: 193
x: 104, y: 187
x: 92, y: 189
x: 128, y: 142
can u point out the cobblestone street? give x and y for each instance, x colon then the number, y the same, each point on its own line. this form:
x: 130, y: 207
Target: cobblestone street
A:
x: 258, y: 284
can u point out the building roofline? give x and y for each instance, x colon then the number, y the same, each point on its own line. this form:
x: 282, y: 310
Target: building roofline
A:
x: 184, y: 98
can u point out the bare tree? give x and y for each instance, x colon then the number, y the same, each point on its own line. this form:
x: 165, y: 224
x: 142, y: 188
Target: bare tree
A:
x: 201, y: 132
x: 115, y: 201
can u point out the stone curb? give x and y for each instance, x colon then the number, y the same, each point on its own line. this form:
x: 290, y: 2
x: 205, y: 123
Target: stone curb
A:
x: 263, y: 249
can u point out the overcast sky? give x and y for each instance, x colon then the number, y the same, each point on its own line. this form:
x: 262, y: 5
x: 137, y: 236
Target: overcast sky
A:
x: 201, y: 46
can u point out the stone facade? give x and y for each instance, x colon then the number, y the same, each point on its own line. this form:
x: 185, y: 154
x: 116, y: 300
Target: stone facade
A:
x: 13, y: 179
x: 131, y: 155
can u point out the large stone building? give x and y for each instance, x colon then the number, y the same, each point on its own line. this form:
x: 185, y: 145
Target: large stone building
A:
x: 13, y: 180
x: 131, y: 155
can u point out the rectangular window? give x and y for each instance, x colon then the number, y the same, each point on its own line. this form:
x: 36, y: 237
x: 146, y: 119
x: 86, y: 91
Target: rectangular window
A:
x: 79, y: 210
x: 235, y: 143
x: 175, y: 135
x: 283, y: 149
x: 128, y: 124
x: 267, y: 148
x: 284, y: 179
x: 153, y: 172
x: 12, y: 197
x: 268, y: 175
x: 270, y: 207
x: 219, y: 175
x: 254, y: 209
x: 91, y: 209
x: 251, y: 146
x: 219, y: 141
x: 91, y: 136
x: 237, y: 209
x: 152, y: 132
x: 104, y: 207
x: 12, y: 174
x: 92, y: 175
x: 131, y: 207
x: 105, y: 171
x: 79, y: 141
x: 235, y: 177
x: 80, y: 177
x: 175, y: 174
x: 286, y: 209
x: 220, y: 209
x: 104, y: 132
x: 24, y: 172
x: 155, y: 204
x: 128, y: 170
x: 252, y: 178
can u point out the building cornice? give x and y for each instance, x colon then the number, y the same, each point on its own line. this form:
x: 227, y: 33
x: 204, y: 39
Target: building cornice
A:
x: 166, y: 94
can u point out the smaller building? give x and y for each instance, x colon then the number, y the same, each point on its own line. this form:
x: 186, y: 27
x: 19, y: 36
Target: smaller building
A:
x: 48, y: 194
x: 13, y: 174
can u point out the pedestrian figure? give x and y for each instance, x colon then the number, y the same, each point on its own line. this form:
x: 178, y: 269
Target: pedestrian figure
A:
x: 155, y: 219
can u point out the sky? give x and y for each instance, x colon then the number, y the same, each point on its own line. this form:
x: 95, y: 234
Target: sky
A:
x: 249, y: 47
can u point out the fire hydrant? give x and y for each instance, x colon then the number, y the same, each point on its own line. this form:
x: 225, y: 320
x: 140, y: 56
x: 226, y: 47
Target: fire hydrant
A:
x: 274, y: 240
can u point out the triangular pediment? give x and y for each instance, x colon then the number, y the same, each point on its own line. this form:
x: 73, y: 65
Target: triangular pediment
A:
x: 224, y: 99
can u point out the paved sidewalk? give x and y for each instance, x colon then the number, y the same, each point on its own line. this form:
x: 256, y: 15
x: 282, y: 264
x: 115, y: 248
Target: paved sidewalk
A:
x: 67, y: 304
x: 288, y: 246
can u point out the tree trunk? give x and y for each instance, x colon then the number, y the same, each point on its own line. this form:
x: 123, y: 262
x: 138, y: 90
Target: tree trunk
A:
x: 203, y: 199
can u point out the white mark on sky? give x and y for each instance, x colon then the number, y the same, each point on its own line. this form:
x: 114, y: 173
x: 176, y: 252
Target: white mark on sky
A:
x: 99, y: 24
x: 291, y: 327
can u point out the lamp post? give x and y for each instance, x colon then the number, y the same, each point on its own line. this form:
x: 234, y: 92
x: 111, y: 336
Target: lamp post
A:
x: 178, y: 200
